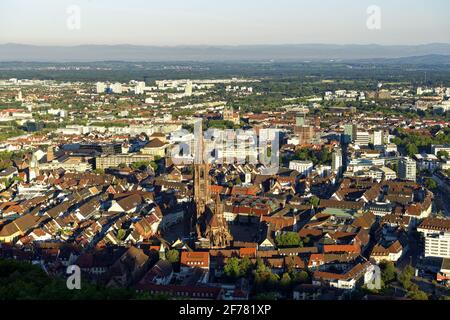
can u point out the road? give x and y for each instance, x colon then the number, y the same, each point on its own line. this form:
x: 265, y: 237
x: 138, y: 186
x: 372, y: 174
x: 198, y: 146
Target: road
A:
x: 445, y: 202
x: 429, y: 287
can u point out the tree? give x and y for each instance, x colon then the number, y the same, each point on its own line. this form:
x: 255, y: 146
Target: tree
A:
x: 412, y: 149
x: 286, y: 281
x: 388, y: 271
x: 443, y: 154
x: 154, y: 165
x: 236, y: 268
x: 417, y: 294
x: 300, y: 277
x: 306, y: 241
x: 302, y: 154
x: 405, y: 277
x: 173, y: 256
x: 272, y: 281
x: 188, y: 127
x: 288, y: 239
x: 232, y: 268
x: 20, y: 281
x: 121, y: 234
x: 264, y: 278
x: 430, y: 184
x: 324, y: 156
x: 140, y: 165
x: 314, y: 201
x: 246, y: 265
x: 220, y: 124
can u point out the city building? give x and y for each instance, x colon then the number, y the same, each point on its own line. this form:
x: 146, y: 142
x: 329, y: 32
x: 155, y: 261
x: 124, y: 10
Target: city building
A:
x: 303, y: 167
x: 101, y: 87
x: 230, y: 115
x: 436, y: 233
x: 305, y: 134
x: 436, y: 148
x: 362, y: 138
x: 407, y: 169
x: 336, y: 161
x: 350, y: 131
x: 188, y: 89
x: 113, y: 161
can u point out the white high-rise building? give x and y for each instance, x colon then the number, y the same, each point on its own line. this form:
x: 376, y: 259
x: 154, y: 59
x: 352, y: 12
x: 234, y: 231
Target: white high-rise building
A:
x: 407, y: 169
x: 336, y: 161
x: 19, y: 96
x: 362, y: 138
x: 116, y: 87
x: 139, y: 88
x: 188, y: 89
x: 436, y: 233
x: 303, y: 167
x: 377, y: 139
x: 101, y: 87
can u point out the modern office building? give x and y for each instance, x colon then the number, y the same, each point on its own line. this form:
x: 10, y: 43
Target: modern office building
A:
x: 407, y: 169
x: 436, y: 233
x: 188, y: 89
x: 113, y: 161
x: 303, y: 167
x: 362, y: 138
x: 305, y: 134
x: 350, y: 133
x: 377, y: 138
x: 101, y: 87
x: 336, y: 161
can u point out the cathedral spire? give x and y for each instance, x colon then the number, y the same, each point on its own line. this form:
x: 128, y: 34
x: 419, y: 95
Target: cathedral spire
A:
x: 202, y: 192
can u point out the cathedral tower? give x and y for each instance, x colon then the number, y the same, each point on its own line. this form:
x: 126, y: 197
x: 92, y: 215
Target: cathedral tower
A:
x: 202, y: 193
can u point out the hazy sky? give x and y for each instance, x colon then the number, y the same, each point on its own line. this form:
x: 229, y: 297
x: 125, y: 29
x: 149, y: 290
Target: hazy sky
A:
x: 227, y: 22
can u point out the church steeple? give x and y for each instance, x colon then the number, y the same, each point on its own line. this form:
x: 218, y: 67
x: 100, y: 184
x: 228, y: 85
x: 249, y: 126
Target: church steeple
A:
x: 202, y: 193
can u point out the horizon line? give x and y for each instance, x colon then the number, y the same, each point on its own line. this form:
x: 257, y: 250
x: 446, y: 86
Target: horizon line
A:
x: 224, y: 45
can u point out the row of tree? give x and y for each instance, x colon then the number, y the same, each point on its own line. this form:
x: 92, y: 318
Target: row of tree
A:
x: 264, y: 280
x: 24, y: 281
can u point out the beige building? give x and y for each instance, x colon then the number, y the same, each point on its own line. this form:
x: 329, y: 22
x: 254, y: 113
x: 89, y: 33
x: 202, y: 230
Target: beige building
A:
x: 114, y: 161
x: 155, y: 147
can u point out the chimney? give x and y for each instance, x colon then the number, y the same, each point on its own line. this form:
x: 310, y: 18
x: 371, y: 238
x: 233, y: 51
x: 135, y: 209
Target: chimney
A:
x: 50, y: 154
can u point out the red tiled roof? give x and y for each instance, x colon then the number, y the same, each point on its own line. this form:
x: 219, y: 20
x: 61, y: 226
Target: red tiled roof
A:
x: 237, y: 190
x: 247, y: 252
x: 353, y: 248
x: 195, y: 259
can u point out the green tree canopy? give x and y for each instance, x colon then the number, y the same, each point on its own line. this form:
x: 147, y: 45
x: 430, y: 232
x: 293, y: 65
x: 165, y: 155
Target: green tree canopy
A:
x: 288, y: 239
x: 388, y: 271
x: 430, y: 184
x: 236, y: 268
x: 173, y: 256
